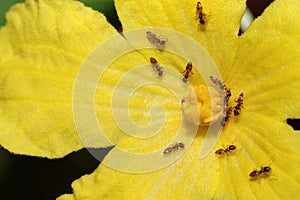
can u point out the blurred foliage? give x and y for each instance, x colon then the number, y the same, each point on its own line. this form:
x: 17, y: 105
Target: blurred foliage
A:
x: 104, y: 6
x: 4, y: 7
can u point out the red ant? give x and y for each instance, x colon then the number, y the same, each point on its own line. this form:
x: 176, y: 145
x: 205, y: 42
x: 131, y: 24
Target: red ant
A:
x: 201, y: 15
x: 156, y: 67
x: 227, y: 116
x: 226, y: 150
x: 187, y: 71
x: 258, y: 173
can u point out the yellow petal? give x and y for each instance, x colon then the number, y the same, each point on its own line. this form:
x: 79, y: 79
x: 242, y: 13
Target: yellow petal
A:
x: 220, y: 177
x: 181, y: 16
x: 260, y: 133
x: 43, y: 45
x: 217, y: 177
x: 267, y: 46
x: 279, y: 93
x: 218, y: 36
x: 66, y: 197
x: 260, y: 144
x: 178, y: 181
x: 268, y: 76
x: 133, y: 110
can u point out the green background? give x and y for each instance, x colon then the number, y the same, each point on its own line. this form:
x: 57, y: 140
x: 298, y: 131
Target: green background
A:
x: 104, y: 6
x: 4, y: 7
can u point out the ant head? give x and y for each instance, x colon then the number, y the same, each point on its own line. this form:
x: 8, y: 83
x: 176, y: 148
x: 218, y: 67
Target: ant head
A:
x: 181, y: 145
x: 232, y: 147
x: 266, y: 169
x: 153, y: 60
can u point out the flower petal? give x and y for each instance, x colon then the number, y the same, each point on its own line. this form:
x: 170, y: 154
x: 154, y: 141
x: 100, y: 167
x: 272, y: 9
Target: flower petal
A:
x: 66, y: 197
x: 44, y: 44
x: 261, y: 141
x: 181, y: 15
x: 268, y: 74
x: 218, y: 36
x: 138, y: 102
x: 278, y: 95
x: 267, y: 46
x: 259, y: 132
x: 183, y: 180
x: 219, y: 177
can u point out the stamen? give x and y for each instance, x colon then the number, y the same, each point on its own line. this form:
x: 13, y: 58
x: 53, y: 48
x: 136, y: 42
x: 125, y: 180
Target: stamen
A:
x: 208, y: 104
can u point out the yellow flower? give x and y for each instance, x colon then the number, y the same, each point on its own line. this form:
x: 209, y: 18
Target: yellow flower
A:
x: 45, y: 42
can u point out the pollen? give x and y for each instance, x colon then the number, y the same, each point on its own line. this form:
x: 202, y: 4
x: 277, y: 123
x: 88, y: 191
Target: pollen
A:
x: 207, y: 101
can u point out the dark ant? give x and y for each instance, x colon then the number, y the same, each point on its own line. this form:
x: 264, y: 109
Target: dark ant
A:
x: 227, y: 94
x: 222, y: 87
x: 158, y: 42
x: 226, y: 99
x: 174, y: 147
x: 217, y: 82
x: 240, y: 101
x: 227, y: 116
x: 201, y: 15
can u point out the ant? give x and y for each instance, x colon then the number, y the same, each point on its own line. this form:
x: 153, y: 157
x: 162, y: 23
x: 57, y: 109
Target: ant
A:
x: 227, y: 116
x: 258, y: 173
x: 187, y: 71
x: 217, y: 82
x: 226, y: 98
x: 227, y: 94
x: 174, y: 147
x: 156, y: 67
x: 226, y: 150
x: 240, y: 101
x: 222, y: 87
x: 201, y: 15
x: 159, y: 43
